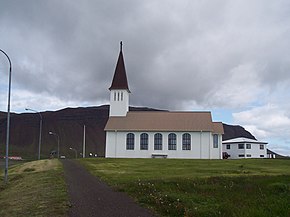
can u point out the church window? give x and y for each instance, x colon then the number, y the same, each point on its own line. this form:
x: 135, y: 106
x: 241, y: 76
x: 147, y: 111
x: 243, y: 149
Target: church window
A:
x: 118, y: 96
x: 262, y: 147
x: 248, y: 146
x: 121, y: 96
x: 144, y: 141
x: 130, y: 141
x: 186, y: 141
x: 114, y: 96
x: 215, y: 140
x: 158, y: 141
x: 172, y: 141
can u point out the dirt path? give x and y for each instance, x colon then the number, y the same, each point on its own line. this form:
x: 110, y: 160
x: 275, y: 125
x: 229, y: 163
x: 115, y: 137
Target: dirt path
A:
x: 91, y: 197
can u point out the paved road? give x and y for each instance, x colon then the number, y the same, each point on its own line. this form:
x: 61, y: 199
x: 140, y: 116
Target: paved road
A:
x: 91, y: 197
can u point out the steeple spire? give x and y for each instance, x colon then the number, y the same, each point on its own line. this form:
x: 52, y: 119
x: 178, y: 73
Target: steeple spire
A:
x: 119, y: 90
x: 120, y: 78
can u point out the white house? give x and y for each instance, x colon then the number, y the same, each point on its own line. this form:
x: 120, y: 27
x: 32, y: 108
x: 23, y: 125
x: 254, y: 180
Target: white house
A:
x: 244, y: 148
x: 136, y: 134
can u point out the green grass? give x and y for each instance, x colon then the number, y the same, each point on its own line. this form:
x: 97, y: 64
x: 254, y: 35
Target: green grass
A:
x: 249, y: 187
x: 36, y: 188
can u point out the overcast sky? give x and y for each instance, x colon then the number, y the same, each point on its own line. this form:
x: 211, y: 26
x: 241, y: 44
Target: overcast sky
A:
x: 229, y: 57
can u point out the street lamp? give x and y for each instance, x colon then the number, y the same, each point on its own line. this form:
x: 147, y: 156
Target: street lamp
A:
x: 8, y: 118
x: 40, y: 130
x: 76, y: 152
x: 51, y: 133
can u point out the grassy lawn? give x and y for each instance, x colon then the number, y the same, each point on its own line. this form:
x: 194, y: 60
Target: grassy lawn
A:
x: 249, y: 187
x: 35, y: 188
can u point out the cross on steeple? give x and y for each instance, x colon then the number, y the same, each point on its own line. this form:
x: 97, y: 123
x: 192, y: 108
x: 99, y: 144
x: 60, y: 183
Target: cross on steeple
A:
x: 121, y: 45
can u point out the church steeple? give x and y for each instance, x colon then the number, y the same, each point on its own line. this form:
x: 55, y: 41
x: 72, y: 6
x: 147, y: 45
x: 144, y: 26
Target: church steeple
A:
x: 119, y: 99
x: 120, y: 78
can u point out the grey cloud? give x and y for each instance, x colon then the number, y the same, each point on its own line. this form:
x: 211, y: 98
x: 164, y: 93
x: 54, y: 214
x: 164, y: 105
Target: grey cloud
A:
x: 175, y: 53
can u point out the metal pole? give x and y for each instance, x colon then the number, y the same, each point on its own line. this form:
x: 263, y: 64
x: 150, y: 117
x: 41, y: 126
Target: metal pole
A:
x: 40, y: 131
x: 51, y: 133
x: 8, y: 119
x: 84, y: 142
x: 57, y: 146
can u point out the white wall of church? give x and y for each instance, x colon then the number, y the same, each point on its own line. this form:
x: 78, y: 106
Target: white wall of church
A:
x: 119, y: 102
x: 201, y: 146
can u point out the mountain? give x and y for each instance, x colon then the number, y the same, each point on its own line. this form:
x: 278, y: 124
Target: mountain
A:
x: 234, y: 131
x: 68, y: 124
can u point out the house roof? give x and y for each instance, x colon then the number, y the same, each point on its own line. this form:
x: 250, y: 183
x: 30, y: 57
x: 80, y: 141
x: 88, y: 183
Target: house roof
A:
x: 242, y: 140
x: 120, y: 78
x: 164, y: 121
x: 218, y: 127
x: 276, y: 154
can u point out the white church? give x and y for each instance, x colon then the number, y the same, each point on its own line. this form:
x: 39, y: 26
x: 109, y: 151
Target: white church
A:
x: 157, y: 134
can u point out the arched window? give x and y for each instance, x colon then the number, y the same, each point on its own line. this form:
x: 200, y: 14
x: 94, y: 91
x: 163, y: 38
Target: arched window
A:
x: 144, y: 141
x: 158, y: 141
x: 130, y: 141
x: 186, y: 141
x: 215, y: 140
x: 121, y: 96
x: 172, y: 141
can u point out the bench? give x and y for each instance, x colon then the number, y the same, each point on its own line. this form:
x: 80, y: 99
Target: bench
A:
x: 159, y: 155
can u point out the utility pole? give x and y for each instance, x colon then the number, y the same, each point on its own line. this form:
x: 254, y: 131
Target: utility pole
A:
x: 84, y: 142
x: 40, y: 130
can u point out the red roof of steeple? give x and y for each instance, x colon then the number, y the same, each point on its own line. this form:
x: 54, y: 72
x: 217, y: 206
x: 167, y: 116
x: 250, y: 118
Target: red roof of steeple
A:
x: 120, y: 77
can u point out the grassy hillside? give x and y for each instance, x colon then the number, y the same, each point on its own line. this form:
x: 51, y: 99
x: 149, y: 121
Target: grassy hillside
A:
x: 249, y: 187
x: 35, y: 189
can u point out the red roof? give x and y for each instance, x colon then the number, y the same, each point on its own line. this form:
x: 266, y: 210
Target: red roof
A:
x: 120, y: 77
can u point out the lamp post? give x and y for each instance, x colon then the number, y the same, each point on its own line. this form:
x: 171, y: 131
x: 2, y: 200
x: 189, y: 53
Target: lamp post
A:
x: 51, y: 133
x: 76, y: 152
x: 84, y: 142
x: 40, y: 130
x: 8, y: 118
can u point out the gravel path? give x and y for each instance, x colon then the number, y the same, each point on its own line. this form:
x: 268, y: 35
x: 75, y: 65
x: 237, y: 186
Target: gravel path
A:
x: 91, y: 197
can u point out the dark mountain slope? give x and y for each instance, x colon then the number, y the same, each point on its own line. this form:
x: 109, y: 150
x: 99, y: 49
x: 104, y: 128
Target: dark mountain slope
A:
x: 67, y: 123
x: 233, y: 131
